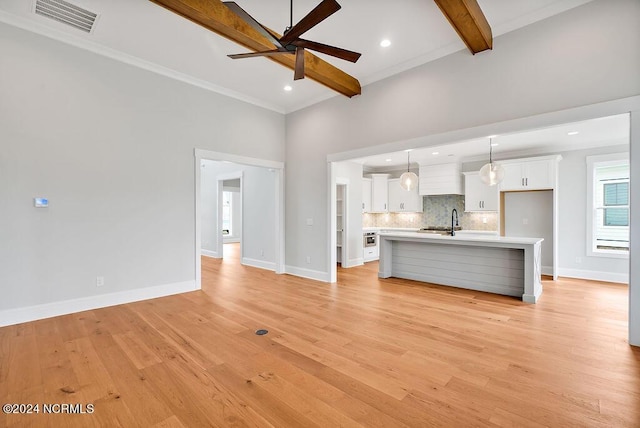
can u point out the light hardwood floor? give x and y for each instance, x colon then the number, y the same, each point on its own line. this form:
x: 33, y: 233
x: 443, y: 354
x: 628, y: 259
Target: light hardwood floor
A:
x: 362, y: 352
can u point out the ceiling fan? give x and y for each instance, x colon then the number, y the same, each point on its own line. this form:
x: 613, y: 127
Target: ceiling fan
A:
x: 290, y: 43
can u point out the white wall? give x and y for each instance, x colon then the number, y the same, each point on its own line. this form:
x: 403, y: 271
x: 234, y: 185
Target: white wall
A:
x: 530, y: 214
x: 112, y: 147
x: 584, y: 56
x: 572, y: 220
x: 258, y: 218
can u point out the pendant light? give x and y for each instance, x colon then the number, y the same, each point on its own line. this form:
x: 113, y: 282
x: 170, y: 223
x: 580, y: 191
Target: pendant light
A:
x: 491, y: 173
x: 408, y: 180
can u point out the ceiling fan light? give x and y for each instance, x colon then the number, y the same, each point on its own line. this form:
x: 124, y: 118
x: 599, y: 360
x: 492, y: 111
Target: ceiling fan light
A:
x: 408, y: 180
x: 491, y: 173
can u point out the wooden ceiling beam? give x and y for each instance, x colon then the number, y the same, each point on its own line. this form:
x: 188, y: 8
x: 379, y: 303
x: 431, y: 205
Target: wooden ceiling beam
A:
x: 215, y: 16
x: 466, y: 17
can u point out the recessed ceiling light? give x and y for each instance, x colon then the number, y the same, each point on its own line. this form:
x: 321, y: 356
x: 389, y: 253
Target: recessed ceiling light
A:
x: 388, y: 160
x: 573, y: 133
x: 288, y: 88
x: 435, y: 153
x: 492, y: 136
x: 385, y: 43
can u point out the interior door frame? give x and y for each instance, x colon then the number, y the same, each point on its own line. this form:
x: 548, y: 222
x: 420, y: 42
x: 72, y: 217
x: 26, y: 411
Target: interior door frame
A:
x: 278, y: 167
x: 345, y: 222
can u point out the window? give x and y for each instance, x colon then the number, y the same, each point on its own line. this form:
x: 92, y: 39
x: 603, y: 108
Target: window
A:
x: 616, y: 195
x: 608, y: 205
x: 227, y: 209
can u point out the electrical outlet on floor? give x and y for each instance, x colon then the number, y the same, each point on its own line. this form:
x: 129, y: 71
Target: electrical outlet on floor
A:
x: 99, y: 281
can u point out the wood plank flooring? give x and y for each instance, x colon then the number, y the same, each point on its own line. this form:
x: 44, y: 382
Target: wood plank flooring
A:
x: 361, y: 352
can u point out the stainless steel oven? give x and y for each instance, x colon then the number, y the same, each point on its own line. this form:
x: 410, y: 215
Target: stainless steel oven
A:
x: 369, y: 239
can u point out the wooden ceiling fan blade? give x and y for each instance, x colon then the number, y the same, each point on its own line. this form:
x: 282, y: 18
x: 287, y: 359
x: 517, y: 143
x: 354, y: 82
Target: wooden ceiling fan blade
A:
x: 299, y: 70
x: 321, y: 12
x: 256, y: 54
x: 253, y: 23
x: 341, y: 53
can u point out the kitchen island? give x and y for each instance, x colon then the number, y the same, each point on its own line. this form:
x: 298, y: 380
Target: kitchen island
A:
x: 496, y: 264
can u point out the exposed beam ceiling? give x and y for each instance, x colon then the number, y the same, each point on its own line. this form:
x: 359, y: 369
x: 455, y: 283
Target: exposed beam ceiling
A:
x: 215, y: 16
x: 469, y: 21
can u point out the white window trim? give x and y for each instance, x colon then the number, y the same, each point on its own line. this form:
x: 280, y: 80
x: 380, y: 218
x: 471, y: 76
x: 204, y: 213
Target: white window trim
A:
x: 613, y: 159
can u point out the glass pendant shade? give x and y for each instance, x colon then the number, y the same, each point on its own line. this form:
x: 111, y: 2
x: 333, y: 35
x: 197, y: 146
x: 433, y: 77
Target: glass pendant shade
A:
x: 408, y: 180
x: 491, y: 173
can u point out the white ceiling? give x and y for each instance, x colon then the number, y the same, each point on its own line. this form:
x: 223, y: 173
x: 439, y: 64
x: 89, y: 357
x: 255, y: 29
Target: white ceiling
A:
x: 145, y: 34
x: 142, y: 33
x: 606, y: 131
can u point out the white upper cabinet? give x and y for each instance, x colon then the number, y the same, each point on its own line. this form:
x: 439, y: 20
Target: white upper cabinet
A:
x: 530, y: 174
x: 401, y: 200
x: 379, y: 193
x: 479, y: 196
x: 366, y: 195
x: 441, y: 179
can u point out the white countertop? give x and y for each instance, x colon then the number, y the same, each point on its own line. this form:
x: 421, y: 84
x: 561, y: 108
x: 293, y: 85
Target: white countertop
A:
x: 464, y: 237
x: 390, y: 229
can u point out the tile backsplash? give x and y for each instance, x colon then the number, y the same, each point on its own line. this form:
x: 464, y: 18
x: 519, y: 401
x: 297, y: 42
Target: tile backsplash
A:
x: 437, y: 212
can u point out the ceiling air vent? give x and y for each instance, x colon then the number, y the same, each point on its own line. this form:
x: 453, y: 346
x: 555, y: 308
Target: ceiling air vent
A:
x: 66, y: 13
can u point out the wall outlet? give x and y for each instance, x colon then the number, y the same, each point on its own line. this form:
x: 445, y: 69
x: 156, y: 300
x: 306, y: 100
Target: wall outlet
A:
x: 99, y: 281
x: 262, y: 253
x: 484, y: 220
x: 309, y: 222
x: 578, y: 259
x: 308, y: 259
x: 525, y: 221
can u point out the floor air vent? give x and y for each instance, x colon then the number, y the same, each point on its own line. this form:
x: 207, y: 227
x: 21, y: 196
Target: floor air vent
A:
x: 66, y: 13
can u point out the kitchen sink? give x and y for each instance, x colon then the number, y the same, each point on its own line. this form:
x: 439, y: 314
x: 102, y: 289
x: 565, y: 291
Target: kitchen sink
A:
x: 438, y: 230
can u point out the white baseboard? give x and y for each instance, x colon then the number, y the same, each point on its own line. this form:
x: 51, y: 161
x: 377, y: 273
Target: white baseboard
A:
x: 307, y: 273
x: 594, y: 275
x: 54, y: 309
x: 209, y: 253
x: 547, y: 270
x: 354, y: 262
x: 259, y: 263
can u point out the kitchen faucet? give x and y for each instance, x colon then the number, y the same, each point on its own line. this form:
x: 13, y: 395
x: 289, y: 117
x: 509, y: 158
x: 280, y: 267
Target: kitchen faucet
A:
x: 455, y: 211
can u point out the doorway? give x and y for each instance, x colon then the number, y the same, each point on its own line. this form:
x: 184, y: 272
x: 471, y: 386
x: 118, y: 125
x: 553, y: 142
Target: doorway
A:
x: 257, y: 186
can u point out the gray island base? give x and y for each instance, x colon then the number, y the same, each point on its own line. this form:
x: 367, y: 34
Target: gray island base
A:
x: 495, y: 264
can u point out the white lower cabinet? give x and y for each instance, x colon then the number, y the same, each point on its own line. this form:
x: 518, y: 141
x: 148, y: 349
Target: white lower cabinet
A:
x: 477, y: 195
x: 403, y: 201
x: 371, y: 253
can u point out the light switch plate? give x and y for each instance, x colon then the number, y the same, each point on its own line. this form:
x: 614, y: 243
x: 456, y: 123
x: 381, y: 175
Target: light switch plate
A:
x: 40, y: 202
